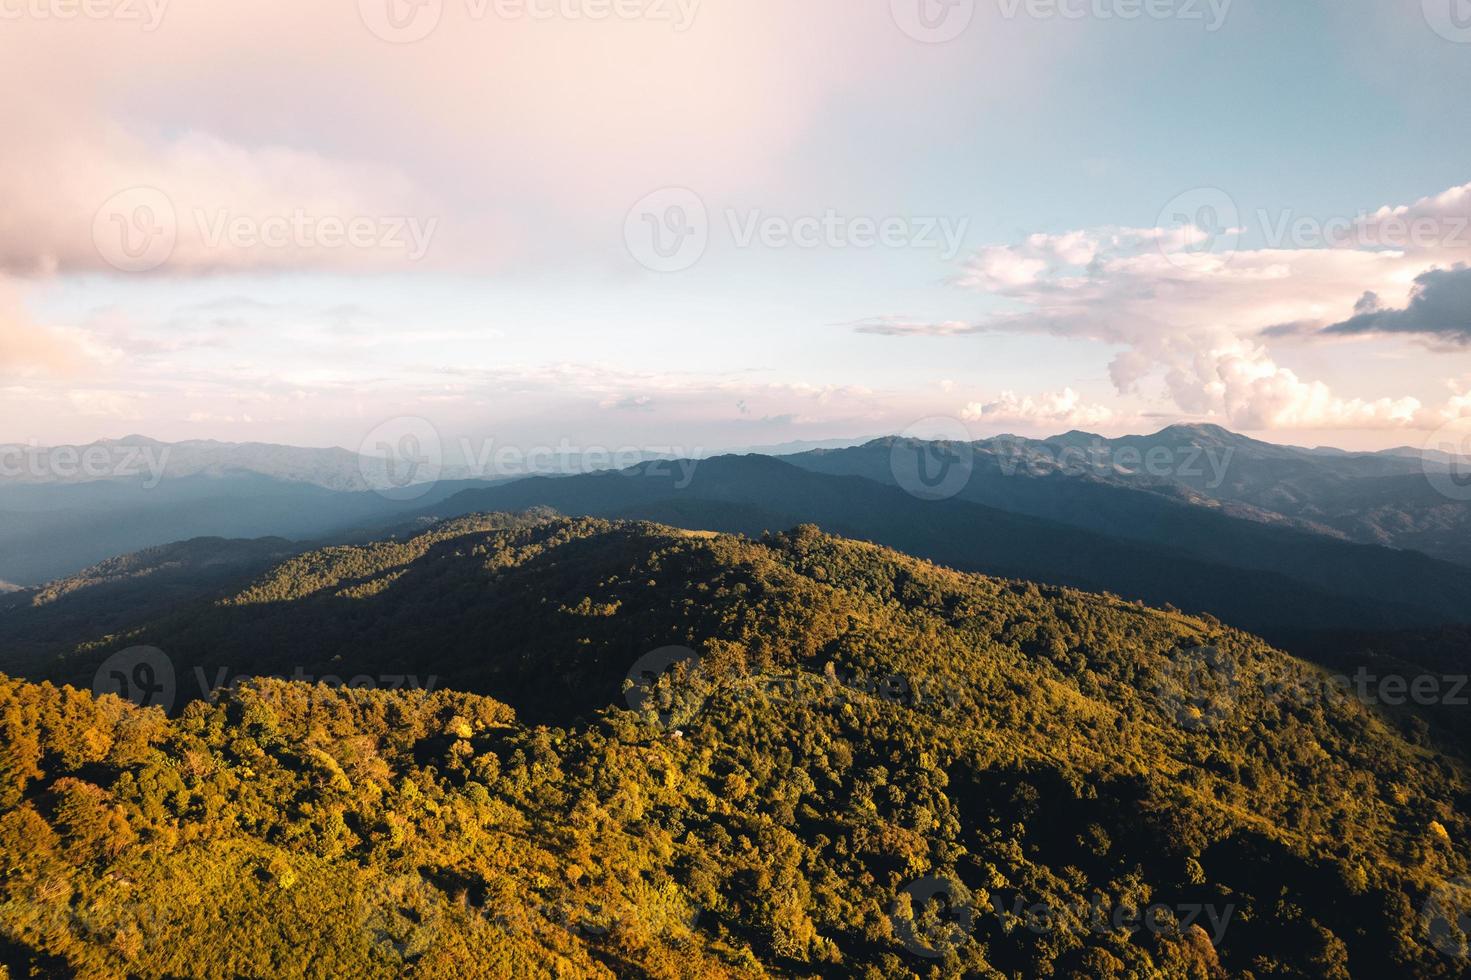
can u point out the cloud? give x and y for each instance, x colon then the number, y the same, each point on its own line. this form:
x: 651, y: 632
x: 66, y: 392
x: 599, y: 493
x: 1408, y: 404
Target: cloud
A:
x: 110, y: 201
x: 629, y: 403
x: 1439, y: 306
x: 892, y: 326
x: 1065, y: 407
x: 487, y: 123
x: 28, y: 349
x: 1191, y: 322
x: 1242, y: 383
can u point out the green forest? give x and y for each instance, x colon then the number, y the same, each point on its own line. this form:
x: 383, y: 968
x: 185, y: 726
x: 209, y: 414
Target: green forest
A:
x: 634, y: 751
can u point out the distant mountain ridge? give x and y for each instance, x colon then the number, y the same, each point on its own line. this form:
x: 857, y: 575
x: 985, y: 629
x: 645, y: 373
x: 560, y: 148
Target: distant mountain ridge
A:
x: 242, y: 490
x: 1401, y: 497
x: 1258, y: 577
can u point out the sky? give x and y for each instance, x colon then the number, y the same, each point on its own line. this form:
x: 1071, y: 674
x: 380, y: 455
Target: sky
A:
x: 703, y: 224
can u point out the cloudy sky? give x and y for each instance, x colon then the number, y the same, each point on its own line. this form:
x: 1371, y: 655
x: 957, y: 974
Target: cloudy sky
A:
x: 711, y: 223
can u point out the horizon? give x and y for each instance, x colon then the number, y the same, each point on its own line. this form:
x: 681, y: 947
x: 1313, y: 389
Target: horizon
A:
x: 835, y: 442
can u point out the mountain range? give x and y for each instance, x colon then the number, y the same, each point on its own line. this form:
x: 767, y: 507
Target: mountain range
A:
x: 541, y: 746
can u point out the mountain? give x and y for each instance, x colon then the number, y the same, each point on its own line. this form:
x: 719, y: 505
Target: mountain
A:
x: 122, y: 592
x: 1263, y: 579
x: 138, y: 457
x: 155, y: 493
x: 50, y: 532
x: 1396, y: 498
x: 65, y: 508
x: 851, y: 763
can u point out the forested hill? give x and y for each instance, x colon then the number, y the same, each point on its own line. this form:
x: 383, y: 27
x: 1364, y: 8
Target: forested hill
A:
x: 1079, y: 533
x: 849, y: 733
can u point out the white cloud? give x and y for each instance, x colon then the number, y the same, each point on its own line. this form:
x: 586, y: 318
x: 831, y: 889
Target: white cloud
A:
x: 1064, y: 407
x: 1193, y: 322
x: 1241, y: 383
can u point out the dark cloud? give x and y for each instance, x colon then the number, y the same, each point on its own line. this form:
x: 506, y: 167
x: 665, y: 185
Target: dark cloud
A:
x: 1440, y: 306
